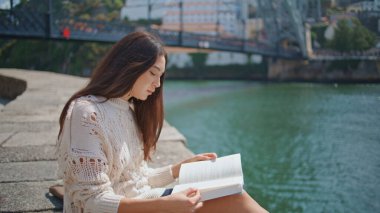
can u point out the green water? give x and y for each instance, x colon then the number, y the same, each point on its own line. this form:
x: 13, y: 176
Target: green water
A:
x: 304, y: 147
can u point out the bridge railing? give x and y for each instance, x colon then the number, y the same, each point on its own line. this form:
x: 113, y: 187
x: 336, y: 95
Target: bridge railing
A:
x: 26, y: 22
x: 22, y: 22
x: 91, y: 30
x: 169, y: 37
x: 113, y: 31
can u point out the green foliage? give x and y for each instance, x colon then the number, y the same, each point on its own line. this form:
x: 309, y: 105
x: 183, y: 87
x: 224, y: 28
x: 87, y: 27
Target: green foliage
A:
x: 199, y: 59
x: 59, y: 56
x: 103, y: 10
x: 88, y: 55
x: 318, y: 34
x: 77, y: 58
x: 114, y: 4
x: 199, y: 62
x: 343, y: 37
x: 351, y: 35
x: 363, y: 39
x: 233, y: 71
x: 29, y: 54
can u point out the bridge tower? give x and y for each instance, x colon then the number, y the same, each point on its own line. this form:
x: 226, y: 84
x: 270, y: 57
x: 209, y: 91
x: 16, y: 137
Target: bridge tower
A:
x: 284, y: 22
x: 284, y: 29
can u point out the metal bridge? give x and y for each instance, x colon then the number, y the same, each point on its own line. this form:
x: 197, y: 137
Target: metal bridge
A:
x: 283, y: 21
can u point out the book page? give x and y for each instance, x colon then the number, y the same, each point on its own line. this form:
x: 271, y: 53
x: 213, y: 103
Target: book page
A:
x: 210, y: 184
x: 222, y: 191
x: 201, y: 171
x: 214, y: 188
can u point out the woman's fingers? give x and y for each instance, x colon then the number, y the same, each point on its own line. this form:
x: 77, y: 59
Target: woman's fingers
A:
x: 195, y: 196
x: 190, y: 191
x: 198, y: 157
x: 211, y: 155
x: 198, y: 206
x: 206, y: 156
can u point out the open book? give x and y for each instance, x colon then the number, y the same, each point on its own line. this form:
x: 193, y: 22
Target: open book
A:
x: 216, y: 178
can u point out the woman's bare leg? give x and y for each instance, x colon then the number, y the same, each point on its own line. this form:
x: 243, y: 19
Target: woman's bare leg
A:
x: 241, y: 203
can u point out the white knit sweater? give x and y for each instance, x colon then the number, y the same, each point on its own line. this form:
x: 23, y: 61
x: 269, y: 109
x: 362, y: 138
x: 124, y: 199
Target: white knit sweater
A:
x: 100, y: 157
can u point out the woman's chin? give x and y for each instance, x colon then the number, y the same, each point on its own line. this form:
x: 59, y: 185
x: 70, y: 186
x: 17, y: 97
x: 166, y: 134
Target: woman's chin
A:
x: 143, y: 98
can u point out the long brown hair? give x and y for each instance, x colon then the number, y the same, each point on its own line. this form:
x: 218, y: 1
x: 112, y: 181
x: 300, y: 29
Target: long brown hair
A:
x: 115, y: 75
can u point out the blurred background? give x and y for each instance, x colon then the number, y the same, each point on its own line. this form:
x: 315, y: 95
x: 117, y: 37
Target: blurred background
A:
x: 292, y: 85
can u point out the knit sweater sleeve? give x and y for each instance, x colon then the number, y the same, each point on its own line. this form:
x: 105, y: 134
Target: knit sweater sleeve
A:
x: 87, y: 164
x: 159, y: 177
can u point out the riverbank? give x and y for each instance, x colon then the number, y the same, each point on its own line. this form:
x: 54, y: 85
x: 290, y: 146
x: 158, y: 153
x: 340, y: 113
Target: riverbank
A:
x: 344, y: 71
x: 28, y: 129
x: 285, y: 71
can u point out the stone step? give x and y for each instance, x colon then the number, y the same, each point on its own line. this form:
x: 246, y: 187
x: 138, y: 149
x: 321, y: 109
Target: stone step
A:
x: 28, y: 171
x: 5, y: 136
x: 31, y: 139
x: 27, y: 153
x: 28, y: 197
x: 27, y: 126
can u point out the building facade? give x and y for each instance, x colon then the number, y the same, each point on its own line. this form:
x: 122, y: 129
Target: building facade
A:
x: 364, y: 6
x: 377, y: 5
x: 225, y: 18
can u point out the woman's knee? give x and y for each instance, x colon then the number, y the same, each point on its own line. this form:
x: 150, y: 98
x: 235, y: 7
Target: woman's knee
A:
x: 233, y: 203
x: 251, y: 203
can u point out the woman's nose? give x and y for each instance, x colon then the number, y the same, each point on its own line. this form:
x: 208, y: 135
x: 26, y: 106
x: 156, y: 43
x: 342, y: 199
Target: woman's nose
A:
x: 157, y: 83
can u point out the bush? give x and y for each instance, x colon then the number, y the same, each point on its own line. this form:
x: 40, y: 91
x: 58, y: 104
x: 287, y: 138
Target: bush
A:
x: 351, y: 35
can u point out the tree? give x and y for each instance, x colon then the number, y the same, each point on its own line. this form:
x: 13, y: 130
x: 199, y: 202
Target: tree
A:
x: 71, y: 57
x: 362, y: 38
x: 317, y: 34
x: 342, y: 38
x: 199, y: 59
x: 351, y: 35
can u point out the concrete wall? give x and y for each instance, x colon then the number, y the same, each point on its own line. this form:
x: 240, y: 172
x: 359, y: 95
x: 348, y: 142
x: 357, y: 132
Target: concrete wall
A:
x: 322, y: 71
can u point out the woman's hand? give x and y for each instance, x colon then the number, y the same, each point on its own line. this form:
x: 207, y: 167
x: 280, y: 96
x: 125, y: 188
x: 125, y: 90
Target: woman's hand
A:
x: 182, y: 202
x: 199, y: 157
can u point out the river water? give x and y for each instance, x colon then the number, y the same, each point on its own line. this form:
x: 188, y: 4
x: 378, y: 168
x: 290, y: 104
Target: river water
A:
x: 305, y: 147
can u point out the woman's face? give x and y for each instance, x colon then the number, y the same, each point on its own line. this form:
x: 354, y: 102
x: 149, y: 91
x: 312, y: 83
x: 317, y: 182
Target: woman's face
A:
x: 147, y: 83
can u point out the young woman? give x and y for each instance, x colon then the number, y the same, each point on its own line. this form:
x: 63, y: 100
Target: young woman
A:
x: 108, y: 131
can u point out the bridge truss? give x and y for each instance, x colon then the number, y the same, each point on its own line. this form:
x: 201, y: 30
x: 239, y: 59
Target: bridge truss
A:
x: 284, y: 23
x: 284, y: 30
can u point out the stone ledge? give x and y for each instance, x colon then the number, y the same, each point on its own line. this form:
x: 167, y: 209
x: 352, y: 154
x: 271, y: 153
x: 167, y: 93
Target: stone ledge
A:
x: 29, y: 125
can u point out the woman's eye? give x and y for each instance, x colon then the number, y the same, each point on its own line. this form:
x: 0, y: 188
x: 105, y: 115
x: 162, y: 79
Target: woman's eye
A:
x: 153, y: 73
